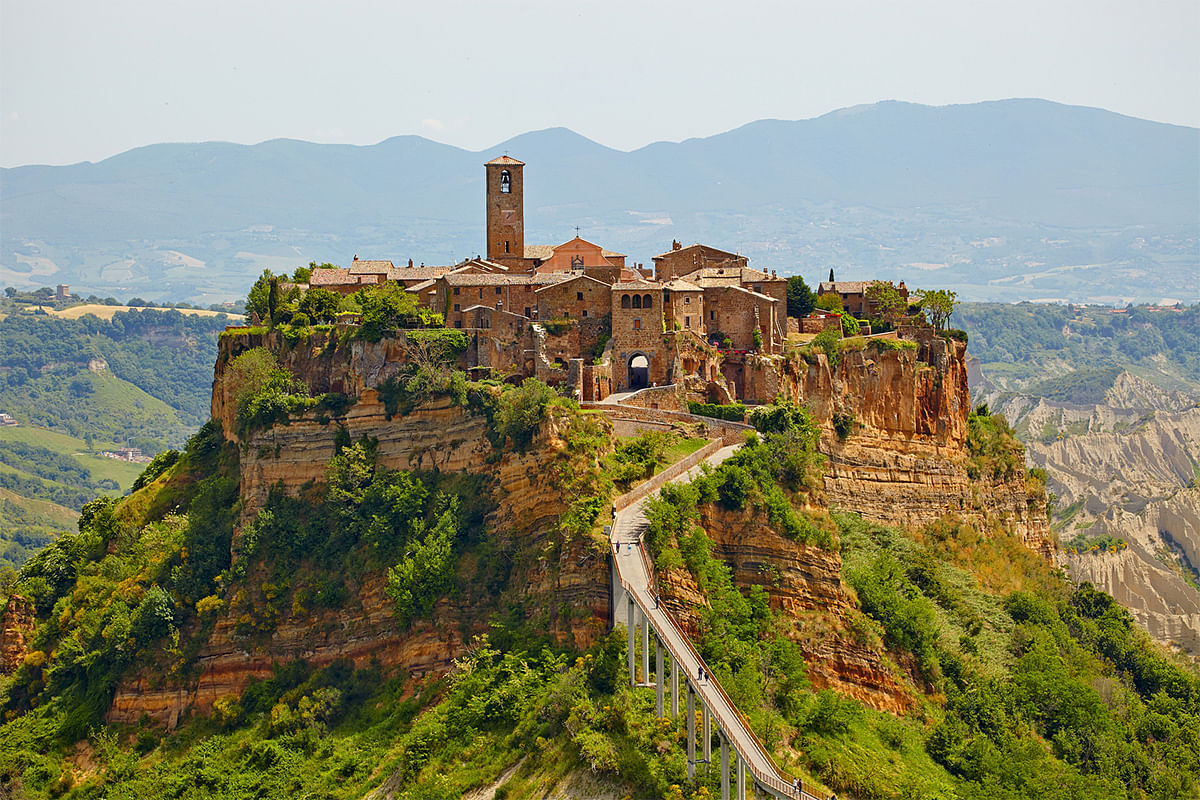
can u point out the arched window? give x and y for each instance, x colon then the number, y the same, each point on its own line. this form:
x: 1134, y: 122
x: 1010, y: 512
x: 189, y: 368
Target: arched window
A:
x: 624, y: 301
x: 647, y: 302
x: 505, y: 181
x: 637, y: 301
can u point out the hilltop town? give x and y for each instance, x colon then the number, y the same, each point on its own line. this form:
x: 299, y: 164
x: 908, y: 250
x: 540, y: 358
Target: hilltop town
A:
x: 577, y: 314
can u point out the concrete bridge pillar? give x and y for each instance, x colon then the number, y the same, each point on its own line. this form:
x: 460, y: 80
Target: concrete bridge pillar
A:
x: 705, y: 734
x: 660, y: 678
x: 645, y: 646
x: 631, y: 626
x: 691, y: 730
x: 741, y: 777
x: 674, y: 688
x: 724, y: 765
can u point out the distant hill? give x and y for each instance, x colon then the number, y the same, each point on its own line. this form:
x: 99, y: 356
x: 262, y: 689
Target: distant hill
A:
x: 1014, y: 199
x: 78, y: 387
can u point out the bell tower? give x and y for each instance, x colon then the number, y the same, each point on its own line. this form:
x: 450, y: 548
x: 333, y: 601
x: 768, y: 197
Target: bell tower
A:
x: 505, y: 209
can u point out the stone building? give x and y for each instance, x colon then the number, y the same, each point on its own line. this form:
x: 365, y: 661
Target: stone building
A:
x: 854, y: 295
x: 578, y: 314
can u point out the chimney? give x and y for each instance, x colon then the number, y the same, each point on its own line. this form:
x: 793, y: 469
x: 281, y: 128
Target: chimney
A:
x: 410, y: 263
x: 356, y: 256
x: 675, y: 245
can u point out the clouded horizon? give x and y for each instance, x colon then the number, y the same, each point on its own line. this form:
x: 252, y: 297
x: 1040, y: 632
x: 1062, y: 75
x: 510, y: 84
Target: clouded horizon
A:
x: 83, y: 81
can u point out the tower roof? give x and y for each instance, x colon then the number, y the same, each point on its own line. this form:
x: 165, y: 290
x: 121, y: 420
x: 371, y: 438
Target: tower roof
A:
x: 506, y: 160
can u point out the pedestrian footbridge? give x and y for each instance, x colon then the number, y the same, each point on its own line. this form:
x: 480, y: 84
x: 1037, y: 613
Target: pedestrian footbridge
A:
x: 661, y: 657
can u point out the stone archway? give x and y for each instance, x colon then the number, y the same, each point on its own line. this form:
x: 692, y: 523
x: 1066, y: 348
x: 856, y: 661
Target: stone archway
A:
x: 638, y: 371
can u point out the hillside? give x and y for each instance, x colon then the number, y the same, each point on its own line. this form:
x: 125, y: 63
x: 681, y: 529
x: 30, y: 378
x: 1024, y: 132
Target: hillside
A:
x: 1117, y: 429
x: 1004, y: 200
x: 369, y: 576
x: 78, y: 387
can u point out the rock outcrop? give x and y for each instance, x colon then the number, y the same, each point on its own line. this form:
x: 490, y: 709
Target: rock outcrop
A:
x: 16, y: 626
x: 549, y: 572
x: 803, y: 582
x: 900, y: 456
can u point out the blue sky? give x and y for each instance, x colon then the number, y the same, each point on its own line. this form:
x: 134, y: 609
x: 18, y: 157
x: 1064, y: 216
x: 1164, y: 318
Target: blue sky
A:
x: 86, y: 80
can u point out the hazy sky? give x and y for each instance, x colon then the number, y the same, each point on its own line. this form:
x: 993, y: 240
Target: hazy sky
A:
x: 83, y: 80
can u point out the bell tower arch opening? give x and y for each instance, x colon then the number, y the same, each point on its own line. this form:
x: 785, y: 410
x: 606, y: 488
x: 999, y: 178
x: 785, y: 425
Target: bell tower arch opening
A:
x: 505, y: 209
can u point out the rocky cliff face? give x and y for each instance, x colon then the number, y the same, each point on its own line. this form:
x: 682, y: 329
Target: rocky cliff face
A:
x: 901, y: 456
x: 804, y: 583
x: 550, y: 573
x: 16, y: 626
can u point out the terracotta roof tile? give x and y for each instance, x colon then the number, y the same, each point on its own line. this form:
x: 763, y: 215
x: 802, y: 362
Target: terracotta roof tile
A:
x: 506, y: 159
x: 490, y: 279
x: 358, y: 267
x: 331, y: 277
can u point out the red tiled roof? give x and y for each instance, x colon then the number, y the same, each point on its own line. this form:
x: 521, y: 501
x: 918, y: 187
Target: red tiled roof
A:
x: 492, y: 279
x: 416, y: 273
x: 506, y: 160
x: 358, y: 267
x: 331, y: 277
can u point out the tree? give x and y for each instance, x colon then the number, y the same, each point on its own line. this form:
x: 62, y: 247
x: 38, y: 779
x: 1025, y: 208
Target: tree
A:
x: 10, y: 291
x: 938, y: 305
x: 830, y: 301
x: 800, y: 299
x: 321, y: 305
x: 258, y: 301
x: 831, y: 274
x: 884, y: 302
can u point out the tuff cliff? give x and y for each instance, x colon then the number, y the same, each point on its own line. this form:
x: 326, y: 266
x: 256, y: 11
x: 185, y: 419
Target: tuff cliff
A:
x: 560, y: 581
x: 802, y: 581
x: 904, y: 461
x: 895, y: 430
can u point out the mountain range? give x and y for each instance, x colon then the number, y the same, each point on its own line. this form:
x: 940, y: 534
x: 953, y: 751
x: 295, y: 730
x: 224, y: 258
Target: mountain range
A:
x: 1004, y: 200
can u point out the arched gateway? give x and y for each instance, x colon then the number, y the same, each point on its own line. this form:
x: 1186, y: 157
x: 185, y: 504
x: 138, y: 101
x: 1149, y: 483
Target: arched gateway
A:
x: 638, y: 371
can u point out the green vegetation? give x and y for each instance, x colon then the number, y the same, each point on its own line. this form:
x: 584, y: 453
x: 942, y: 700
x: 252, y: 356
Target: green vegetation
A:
x: 1084, y: 544
x: 640, y: 457
x: 1082, y: 386
x: 1019, y: 344
x: 732, y: 412
x: 800, y: 299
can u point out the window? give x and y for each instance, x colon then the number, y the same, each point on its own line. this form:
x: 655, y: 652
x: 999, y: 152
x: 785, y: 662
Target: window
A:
x: 505, y: 185
x: 579, y: 295
x: 528, y: 311
x: 647, y: 301
x: 624, y: 301
x: 506, y: 245
x: 585, y: 312
x: 637, y: 324
x: 687, y: 322
x: 456, y: 308
x: 712, y: 315
x: 758, y: 288
x: 637, y: 301
x: 666, y: 295
x: 687, y: 301
x: 497, y: 290
x: 455, y: 290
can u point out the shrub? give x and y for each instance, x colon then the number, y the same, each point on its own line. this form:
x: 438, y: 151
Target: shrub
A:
x: 520, y: 411
x: 850, y: 326
x: 157, y: 466
x: 828, y: 342
x: 733, y: 412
